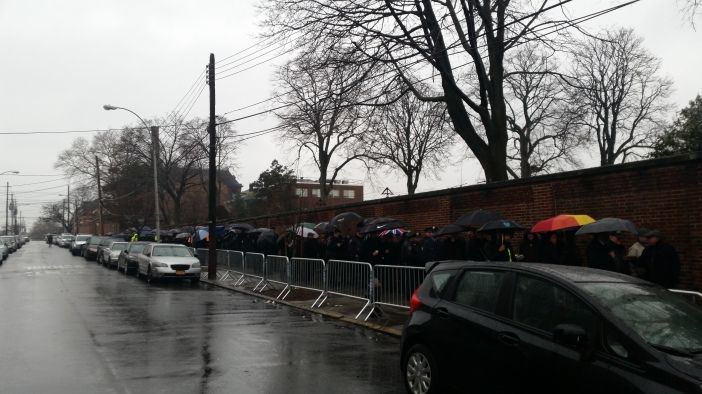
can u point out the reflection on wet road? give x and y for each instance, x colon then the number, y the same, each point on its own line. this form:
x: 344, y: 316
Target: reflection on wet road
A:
x: 71, y: 326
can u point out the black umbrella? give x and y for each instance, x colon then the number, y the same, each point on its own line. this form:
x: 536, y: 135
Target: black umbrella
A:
x: 241, y: 226
x: 261, y: 230
x: 182, y: 236
x: 324, y: 228
x: 347, y: 222
x: 449, y: 229
x: 608, y: 225
x: 382, y: 224
x: 501, y: 225
x: 477, y: 218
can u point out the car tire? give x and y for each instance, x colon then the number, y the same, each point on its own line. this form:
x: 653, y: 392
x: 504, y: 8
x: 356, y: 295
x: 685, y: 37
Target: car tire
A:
x: 420, y: 371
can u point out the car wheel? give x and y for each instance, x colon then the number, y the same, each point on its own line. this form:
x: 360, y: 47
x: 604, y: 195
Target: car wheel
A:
x: 420, y: 371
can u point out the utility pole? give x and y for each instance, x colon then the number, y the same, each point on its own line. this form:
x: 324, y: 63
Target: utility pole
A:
x: 7, y: 206
x: 157, y: 213
x: 97, y: 168
x: 212, y: 197
x: 68, y: 209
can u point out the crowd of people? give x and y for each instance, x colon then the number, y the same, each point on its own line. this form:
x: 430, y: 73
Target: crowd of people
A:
x: 650, y: 257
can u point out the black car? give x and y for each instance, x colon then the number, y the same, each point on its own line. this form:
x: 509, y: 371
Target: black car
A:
x: 536, y: 328
x: 127, y: 260
x: 90, y: 251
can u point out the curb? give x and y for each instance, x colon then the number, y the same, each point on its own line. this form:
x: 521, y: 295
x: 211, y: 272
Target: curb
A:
x: 338, y: 316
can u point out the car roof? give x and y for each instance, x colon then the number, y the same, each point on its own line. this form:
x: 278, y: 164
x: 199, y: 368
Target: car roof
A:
x: 574, y: 274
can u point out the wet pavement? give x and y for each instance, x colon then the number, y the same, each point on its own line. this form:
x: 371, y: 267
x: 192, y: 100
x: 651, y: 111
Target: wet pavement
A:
x: 71, y: 326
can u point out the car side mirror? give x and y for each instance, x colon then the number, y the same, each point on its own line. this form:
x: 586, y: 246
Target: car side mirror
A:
x: 570, y: 335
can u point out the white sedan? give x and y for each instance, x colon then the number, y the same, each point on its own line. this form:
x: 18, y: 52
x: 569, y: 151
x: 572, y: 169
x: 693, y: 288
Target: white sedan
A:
x: 159, y: 261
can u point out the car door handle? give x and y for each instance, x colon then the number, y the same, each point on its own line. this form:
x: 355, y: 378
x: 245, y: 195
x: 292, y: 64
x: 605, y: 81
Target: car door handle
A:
x: 509, y: 338
x: 443, y: 313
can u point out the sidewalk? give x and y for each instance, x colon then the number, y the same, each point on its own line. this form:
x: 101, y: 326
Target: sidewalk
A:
x: 387, y: 320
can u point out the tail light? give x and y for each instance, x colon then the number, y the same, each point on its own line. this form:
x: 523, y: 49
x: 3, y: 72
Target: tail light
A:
x: 414, y: 301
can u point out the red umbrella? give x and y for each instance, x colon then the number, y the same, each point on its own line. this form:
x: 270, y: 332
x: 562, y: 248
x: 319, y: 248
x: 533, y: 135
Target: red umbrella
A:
x: 561, y: 222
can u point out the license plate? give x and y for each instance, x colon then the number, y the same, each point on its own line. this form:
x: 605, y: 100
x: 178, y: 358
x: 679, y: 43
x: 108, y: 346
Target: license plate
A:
x: 180, y: 272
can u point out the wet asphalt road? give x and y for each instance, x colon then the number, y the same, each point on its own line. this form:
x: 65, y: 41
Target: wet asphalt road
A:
x: 71, y: 326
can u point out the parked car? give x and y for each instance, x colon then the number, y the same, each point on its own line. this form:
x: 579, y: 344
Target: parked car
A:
x: 78, y: 243
x: 91, y: 247
x: 10, y: 241
x: 503, y: 327
x: 111, y: 252
x: 64, y: 241
x: 127, y: 261
x: 157, y: 261
x: 4, y: 252
x: 105, y: 243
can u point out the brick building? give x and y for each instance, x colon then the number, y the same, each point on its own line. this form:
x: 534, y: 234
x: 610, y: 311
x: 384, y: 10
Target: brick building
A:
x: 344, y: 192
x: 664, y: 193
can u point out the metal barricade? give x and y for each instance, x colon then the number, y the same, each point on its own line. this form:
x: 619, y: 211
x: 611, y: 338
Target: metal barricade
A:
x: 306, y: 274
x: 254, y: 266
x: 201, y: 255
x: 394, y: 284
x: 276, y: 272
x: 695, y: 296
x: 235, y: 265
x: 350, y: 279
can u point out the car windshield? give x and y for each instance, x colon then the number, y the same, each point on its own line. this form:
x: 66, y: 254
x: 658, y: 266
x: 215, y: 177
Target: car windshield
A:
x: 82, y: 237
x: 119, y: 246
x: 136, y: 248
x: 663, y: 319
x: 68, y: 237
x: 177, y: 251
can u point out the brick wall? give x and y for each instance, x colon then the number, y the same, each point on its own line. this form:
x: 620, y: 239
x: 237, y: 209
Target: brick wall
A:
x: 665, y: 194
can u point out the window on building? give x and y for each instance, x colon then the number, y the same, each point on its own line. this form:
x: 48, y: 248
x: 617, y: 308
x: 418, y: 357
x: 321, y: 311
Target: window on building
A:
x: 334, y: 193
x: 315, y: 193
x: 349, y: 193
x: 301, y: 192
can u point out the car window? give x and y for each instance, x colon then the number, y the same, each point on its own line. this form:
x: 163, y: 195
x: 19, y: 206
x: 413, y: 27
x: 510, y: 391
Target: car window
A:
x: 439, y: 280
x: 136, y: 248
x: 118, y: 246
x: 660, y: 317
x: 541, y: 304
x: 479, y: 289
x: 176, y: 251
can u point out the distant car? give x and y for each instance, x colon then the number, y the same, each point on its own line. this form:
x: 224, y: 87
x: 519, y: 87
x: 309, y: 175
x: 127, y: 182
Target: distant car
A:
x: 127, y: 261
x: 537, y: 328
x: 4, y: 252
x: 111, y: 252
x: 65, y: 240
x: 104, y: 243
x: 78, y: 243
x: 160, y: 261
x: 91, y: 247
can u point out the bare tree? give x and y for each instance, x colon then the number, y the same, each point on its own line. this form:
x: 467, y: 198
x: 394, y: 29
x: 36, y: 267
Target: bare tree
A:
x: 623, y: 98
x: 690, y: 9
x: 412, y: 136
x: 321, y: 115
x: 543, y: 126
x: 426, y: 37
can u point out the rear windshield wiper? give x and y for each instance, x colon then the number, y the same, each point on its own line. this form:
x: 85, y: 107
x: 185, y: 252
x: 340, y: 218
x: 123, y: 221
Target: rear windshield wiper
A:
x: 672, y: 350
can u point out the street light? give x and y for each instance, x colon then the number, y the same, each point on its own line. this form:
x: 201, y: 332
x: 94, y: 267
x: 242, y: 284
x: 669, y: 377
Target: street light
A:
x: 154, y: 142
x: 7, y: 198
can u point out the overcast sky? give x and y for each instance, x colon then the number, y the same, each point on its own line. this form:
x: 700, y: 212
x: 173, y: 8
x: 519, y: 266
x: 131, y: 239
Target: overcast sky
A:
x: 62, y: 60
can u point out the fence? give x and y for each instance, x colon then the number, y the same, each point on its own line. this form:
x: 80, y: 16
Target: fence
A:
x: 695, y: 297
x: 254, y: 268
x: 350, y: 279
x: 306, y: 274
x: 276, y: 272
x: 234, y: 262
x: 394, y: 284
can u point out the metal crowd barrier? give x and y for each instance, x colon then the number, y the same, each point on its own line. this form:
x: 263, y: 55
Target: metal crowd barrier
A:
x: 234, y: 261
x: 695, y: 296
x: 350, y: 279
x: 254, y: 267
x: 306, y: 274
x: 394, y: 284
x: 276, y: 272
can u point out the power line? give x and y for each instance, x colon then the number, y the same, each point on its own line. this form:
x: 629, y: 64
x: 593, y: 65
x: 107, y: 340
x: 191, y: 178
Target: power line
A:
x: 560, y: 25
x: 257, y: 64
x: 37, y: 183
x: 245, y: 49
x: 174, y: 113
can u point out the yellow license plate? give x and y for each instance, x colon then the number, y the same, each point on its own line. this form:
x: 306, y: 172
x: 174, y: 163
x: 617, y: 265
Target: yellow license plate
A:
x: 180, y: 272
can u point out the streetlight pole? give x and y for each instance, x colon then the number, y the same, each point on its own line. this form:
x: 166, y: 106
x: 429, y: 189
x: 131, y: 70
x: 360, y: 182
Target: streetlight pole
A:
x: 154, y: 141
x: 7, y: 200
